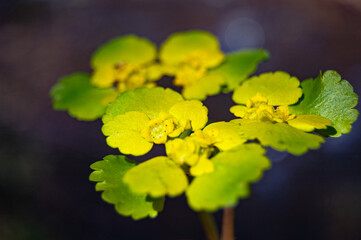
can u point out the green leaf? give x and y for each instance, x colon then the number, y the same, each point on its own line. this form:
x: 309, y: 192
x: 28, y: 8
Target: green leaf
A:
x: 109, y: 174
x: 234, y: 170
x: 228, y: 135
x: 206, y: 86
x: 157, y: 177
x: 279, y: 88
x: 330, y: 97
x: 128, y: 49
x: 281, y: 137
x: 150, y: 101
x: 75, y: 94
x: 180, y: 46
x: 125, y: 133
x: 239, y: 65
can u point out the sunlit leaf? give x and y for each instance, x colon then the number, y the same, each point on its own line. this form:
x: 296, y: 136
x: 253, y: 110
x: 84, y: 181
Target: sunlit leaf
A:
x: 234, y: 170
x: 181, y: 46
x: 309, y: 123
x: 158, y: 176
x: 228, y: 135
x: 128, y: 49
x: 109, y: 174
x: 279, y: 88
x: 150, y: 101
x: 206, y: 86
x: 193, y: 111
x: 124, y: 133
x: 281, y: 137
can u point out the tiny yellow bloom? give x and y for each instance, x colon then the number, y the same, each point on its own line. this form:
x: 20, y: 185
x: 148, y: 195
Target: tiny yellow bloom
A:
x: 193, y: 152
x: 183, y: 151
x: 257, y: 109
x: 160, y: 128
x: 196, y: 150
x: 206, y: 139
x: 282, y: 114
x: 187, y: 75
x: 256, y: 100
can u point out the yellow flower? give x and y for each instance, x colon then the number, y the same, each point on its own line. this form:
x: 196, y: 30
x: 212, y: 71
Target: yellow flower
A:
x: 160, y: 128
x: 126, y: 62
x: 188, y: 56
x: 183, y: 151
x: 257, y: 109
x: 196, y: 150
x: 190, y: 151
x: 138, y: 119
x: 199, y: 66
x: 265, y: 113
x: 282, y: 114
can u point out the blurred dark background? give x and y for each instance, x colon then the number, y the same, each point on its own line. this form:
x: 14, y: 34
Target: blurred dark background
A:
x: 45, y: 155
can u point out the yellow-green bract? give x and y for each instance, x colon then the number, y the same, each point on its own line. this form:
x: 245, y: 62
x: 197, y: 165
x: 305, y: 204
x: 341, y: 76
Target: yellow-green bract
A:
x: 201, y: 68
x: 273, y: 111
x: 138, y: 119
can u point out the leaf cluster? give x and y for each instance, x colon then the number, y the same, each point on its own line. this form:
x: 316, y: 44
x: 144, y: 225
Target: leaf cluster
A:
x: 213, y: 164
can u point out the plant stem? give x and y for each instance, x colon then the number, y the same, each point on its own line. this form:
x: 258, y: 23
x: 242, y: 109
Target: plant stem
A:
x: 228, y: 224
x: 209, y: 225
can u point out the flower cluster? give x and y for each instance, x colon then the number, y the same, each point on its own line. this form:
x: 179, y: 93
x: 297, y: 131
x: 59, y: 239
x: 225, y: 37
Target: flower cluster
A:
x: 269, y: 116
x: 140, y: 118
x: 129, y: 62
x: 213, y: 163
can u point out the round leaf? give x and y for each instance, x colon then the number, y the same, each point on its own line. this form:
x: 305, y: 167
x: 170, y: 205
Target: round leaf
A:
x: 128, y: 49
x: 179, y: 46
x: 308, y: 123
x: 150, y: 101
x: 124, y: 133
x: 109, y: 174
x: 229, y: 135
x: 234, y: 170
x: 330, y: 97
x: 281, y: 137
x: 192, y: 111
x: 279, y: 88
x: 206, y: 86
x: 75, y: 94
x: 158, y: 176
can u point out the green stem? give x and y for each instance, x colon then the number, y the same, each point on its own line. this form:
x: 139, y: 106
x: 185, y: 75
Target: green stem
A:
x: 228, y: 224
x: 209, y: 225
